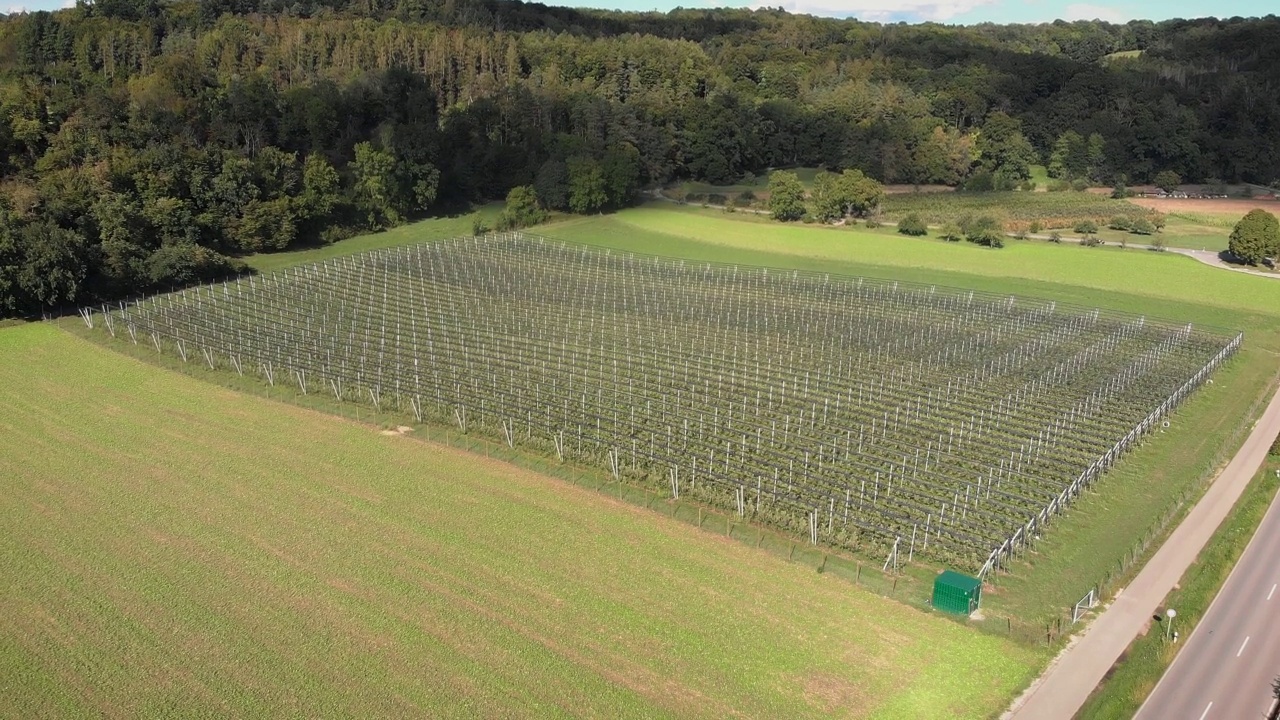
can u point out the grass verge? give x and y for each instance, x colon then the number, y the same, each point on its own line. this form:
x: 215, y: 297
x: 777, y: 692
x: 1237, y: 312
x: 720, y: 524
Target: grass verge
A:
x: 1135, y: 675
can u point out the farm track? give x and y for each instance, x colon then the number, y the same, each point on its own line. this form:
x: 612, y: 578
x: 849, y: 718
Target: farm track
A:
x: 856, y: 411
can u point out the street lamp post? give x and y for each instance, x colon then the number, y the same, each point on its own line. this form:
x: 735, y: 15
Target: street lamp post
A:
x: 1169, y: 627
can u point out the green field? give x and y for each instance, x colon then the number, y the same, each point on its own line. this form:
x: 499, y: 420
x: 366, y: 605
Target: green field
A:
x: 1016, y: 210
x: 153, y: 567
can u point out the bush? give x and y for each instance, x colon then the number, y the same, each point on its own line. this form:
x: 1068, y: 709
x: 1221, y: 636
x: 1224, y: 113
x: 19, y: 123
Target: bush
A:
x: 1059, y: 186
x: 717, y: 199
x: 913, y: 225
x: 1055, y: 237
x: 986, y: 231
x: 872, y: 223
x: 951, y: 232
x: 523, y: 209
x: 1035, y: 227
x: 1157, y: 243
x: 1079, y: 185
x: 1086, y: 227
x: 1028, y: 186
x: 1142, y: 226
x: 1120, y: 222
x: 746, y: 197
x: 1090, y: 241
x: 1120, y: 191
x: 479, y: 226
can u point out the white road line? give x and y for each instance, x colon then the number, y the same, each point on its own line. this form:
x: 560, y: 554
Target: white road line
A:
x: 1273, y: 592
x: 1206, y: 711
x: 1246, y: 642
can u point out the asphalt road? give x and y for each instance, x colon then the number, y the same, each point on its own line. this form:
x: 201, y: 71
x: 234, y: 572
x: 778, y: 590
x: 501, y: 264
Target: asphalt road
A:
x: 1233, y: 655
x: 1069, y: 680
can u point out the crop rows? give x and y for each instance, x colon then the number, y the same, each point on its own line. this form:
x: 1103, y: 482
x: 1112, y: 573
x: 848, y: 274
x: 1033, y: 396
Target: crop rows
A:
x: 859, y: 413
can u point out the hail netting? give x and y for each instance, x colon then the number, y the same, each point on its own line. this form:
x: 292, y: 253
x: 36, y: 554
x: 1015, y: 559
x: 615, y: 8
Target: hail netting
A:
x: 854, y: 411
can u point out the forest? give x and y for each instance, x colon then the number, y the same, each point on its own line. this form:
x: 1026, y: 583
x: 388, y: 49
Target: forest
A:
x: 146, y: 145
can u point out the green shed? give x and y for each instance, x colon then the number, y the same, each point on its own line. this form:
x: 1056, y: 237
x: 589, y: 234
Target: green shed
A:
x: 956, y: 593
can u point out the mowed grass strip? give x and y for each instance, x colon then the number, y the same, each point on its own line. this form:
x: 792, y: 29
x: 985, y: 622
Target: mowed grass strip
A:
x: 174, y: 548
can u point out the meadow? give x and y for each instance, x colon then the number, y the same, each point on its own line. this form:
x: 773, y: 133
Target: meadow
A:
x: 153, y: 567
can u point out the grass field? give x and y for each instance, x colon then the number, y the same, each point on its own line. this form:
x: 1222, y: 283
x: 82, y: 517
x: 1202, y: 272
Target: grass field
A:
x: 153, y: 567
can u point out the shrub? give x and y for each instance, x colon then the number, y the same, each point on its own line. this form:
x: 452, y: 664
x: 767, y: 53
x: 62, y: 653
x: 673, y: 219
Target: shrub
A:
x: 1167, y: 180
x: 1079, y: 185
x: 1142, y: 226
x: 1090, y: 241
x: 717, y: 199
x: 1086, y: 227
x: 1120, y: 222
x: 985, y: 231
x: 746, y: 197
x: 913, y: 225
x: 982, y: 181
x: 1059, y: 186
x: 1055, y: 237
x: 1157, y: 243
x: 1120, y: 191
x: 1028, y: 186
x: 951, y: 232
x: 1035, y: 227
x: 872, y: 223
x: 522, y: 210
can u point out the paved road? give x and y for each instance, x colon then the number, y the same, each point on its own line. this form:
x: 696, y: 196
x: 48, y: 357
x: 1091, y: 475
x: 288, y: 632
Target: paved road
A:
x: 1226, y: 669
x: 1065, y: 685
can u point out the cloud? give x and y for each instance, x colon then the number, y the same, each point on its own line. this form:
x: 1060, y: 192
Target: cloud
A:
x: 1085, y: 11
x: 880, y: 10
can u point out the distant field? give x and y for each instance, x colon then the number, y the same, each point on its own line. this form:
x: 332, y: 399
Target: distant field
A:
x: 1015, y: 209
x: 173, y: 548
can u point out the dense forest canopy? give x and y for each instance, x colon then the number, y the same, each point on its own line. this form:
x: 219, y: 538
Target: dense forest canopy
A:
x: 145, y: 144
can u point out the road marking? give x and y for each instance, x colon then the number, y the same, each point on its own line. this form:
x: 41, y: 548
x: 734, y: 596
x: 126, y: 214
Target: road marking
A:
x: 1246, y: 642
x: 1273, y: 592
x: 1206, y: 711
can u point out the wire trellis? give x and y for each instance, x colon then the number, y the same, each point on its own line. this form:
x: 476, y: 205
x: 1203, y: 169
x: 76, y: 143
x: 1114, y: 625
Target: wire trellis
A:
x: 862, y: 413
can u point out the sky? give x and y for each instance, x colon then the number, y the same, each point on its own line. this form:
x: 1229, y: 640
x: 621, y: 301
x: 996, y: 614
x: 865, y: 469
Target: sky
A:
x: 948, y: 11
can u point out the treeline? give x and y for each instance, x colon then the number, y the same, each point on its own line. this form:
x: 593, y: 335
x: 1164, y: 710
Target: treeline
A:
x: 145, y: 145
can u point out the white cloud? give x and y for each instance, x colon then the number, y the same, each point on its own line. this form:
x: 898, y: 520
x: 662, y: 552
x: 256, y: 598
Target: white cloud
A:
x: 881, y: 10
x: 1085, y: 11
x: 68, y: 3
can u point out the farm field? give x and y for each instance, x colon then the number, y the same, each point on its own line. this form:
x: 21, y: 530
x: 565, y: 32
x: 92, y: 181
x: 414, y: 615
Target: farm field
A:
x: 1146, y: 491
x: 976, y: 417
x: 153, y: 567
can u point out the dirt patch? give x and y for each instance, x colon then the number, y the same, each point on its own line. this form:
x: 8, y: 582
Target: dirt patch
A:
x: 1216, y: 206
x: 399, y: 430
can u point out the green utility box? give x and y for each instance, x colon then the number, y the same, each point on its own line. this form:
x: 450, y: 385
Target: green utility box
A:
x: 956, y: 593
